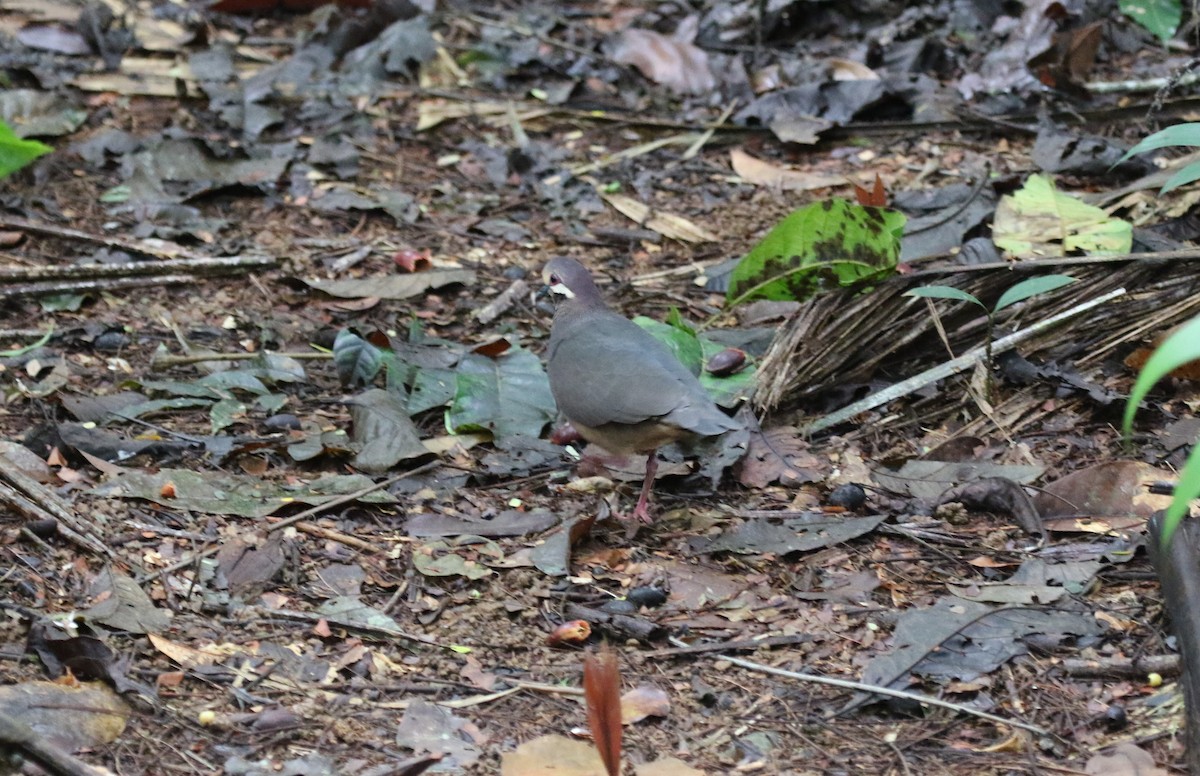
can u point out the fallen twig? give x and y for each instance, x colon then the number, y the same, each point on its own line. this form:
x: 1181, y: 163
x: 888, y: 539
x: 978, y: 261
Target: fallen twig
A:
x: 26, y: 495
x: 846, y: 684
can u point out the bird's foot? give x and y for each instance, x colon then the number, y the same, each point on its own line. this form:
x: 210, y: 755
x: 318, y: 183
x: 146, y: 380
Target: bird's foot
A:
x: 642, y: 511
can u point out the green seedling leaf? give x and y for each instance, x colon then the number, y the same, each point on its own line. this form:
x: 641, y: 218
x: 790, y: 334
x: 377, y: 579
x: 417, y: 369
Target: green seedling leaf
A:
x: 1031, y: 287
x: 15, y: 152
x: 1188, y: 174
x: 1180, y: 348
x: 1186, y: 489
x: 1177, y: 135
x: 1160, y: 17
x: 676, y: 319
x: 829, y: 244
x: 944, y: 292
x: 508, y: 395
x: 1037, y: 221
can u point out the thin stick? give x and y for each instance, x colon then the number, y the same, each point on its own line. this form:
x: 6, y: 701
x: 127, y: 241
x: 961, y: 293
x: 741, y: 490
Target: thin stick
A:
x: 164, y: 360
x: 159, y: 250
x: 194, y: 266
x: 845, y: 684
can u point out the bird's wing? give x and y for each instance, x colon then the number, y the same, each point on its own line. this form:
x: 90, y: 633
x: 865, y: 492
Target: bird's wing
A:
x: 611, y: 371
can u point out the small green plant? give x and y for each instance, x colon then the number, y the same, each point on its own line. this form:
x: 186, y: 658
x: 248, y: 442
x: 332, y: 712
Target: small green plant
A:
x: 16, y: 152
x: 1178, y: 135
x: 1017, y: 293
x: 1180, y: 348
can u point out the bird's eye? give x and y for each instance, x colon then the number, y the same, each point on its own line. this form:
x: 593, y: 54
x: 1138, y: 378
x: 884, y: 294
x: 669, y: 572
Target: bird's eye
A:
x: 554, y: 280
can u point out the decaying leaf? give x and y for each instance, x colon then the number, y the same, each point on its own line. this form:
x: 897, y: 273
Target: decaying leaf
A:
x: 1038, y: 220
x: 672, y: 61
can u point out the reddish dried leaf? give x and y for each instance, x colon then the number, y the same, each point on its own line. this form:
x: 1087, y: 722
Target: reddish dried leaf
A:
x: 602, y: 691
x: 673, y: 62
x: 875, y: 197
x: 778, y: 454
x: 493, y: 349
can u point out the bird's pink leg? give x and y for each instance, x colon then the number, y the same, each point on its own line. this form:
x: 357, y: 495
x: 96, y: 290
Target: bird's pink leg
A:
x: 641, y: 512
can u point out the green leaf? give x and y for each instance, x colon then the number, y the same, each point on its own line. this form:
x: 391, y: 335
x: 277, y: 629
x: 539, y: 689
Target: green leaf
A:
x: 943, y: 292
x: 693, y: 351
x: 225, y: 413
x: 1031, y: 287
x: 62, y: 302
x: 357, y: 360
x: 1160, y: 17
x: 1177, y: 135
x: 1180, y: 348
x: 685, y: 345
x: 825, y: 245
x: 1188, y: 174
x: 1186, y: 489
x: 383, y: 433
x: 15, y: 153
x: 676, y: 319
x: 507, y: 396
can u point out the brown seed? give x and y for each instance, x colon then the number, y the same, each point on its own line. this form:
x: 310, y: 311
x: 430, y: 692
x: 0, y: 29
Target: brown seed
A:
x: 727, y: 362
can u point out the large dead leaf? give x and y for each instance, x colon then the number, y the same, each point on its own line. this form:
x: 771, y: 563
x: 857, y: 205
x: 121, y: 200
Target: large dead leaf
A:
x: 1106, y: 490
x: 552, y: 756
x: 71, y: 718
x: 393, y: 286
x: 667, y: 224
x: 762, y: 173
x: 671, y: 61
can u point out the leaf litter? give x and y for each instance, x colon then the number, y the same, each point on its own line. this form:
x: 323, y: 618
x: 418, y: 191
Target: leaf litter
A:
x: 489, y: 145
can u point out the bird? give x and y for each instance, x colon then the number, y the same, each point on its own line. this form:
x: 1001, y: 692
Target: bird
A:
x: 619, y: 387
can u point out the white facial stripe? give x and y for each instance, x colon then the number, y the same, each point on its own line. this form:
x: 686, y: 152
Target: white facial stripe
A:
x: 560, y: 288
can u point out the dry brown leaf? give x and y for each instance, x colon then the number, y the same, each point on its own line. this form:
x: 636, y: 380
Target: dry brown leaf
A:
x: 552, y: 756
x: 71, y: 718
x: 761, y: 173
x: 849, y: 70
x: 667, y: 766
x: 779, y: 454
x: 1107, y: 490
x: 1123, y: 760
x: 644, y: 701
x: 671, y: 61
x: 668, y: 225
x: 190, y: 657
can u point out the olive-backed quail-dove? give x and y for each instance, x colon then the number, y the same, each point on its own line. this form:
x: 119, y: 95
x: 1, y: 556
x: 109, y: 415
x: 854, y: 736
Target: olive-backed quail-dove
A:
x: 619, y: 386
